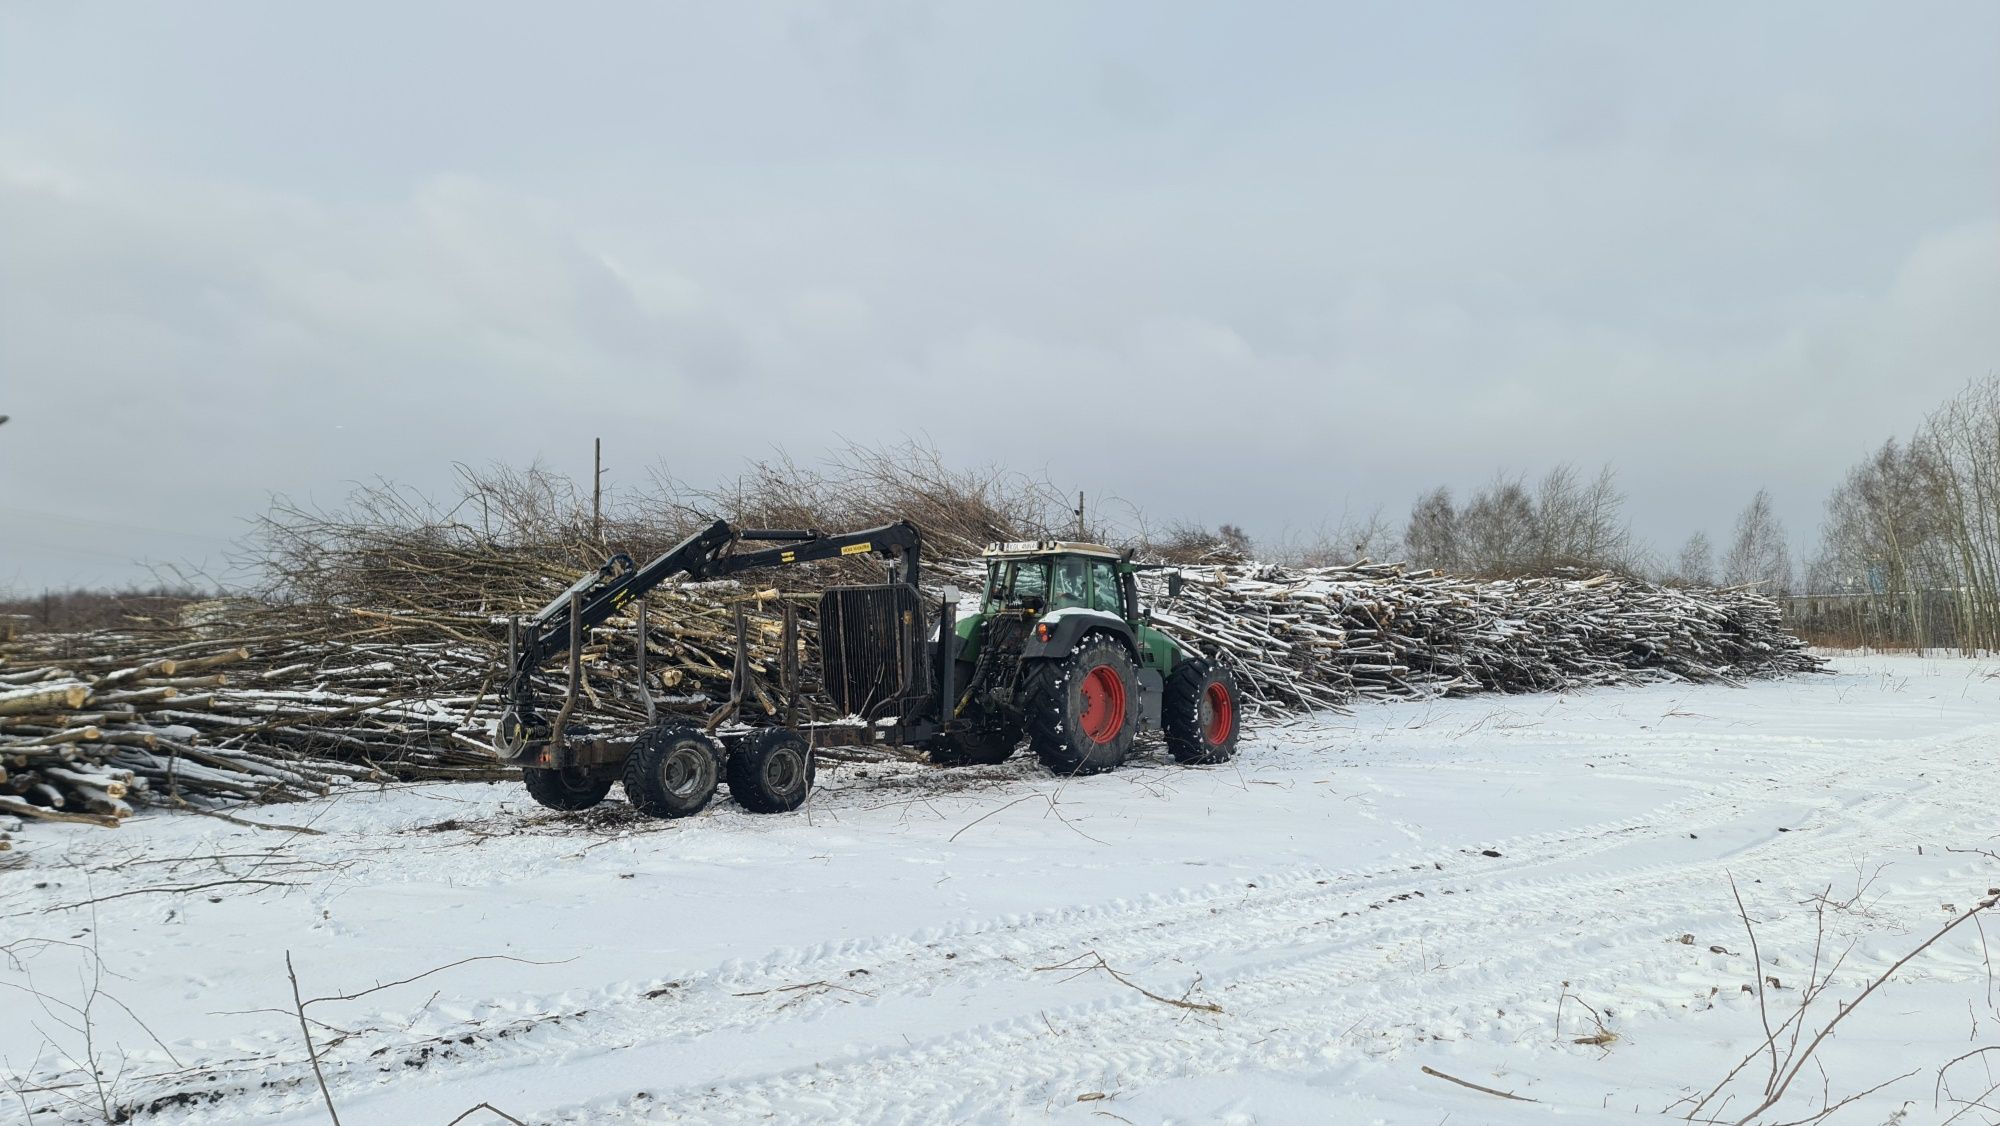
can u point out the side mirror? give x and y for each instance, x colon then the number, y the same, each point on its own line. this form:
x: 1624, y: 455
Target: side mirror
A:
x: 1174, y: 584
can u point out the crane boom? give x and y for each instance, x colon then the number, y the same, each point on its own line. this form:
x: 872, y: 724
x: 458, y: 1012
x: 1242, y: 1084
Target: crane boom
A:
x: 710, y: 553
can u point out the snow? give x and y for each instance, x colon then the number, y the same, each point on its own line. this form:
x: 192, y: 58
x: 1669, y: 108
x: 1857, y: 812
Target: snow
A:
x: 1422, y: 884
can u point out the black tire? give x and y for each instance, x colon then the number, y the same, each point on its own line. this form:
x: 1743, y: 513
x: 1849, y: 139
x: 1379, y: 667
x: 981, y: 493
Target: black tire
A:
x: 570, y: 790
x: 771, y: 771
x: 672, y: 772
x: 1065, y: 703
x: 1202, y: 712
x: 988, y: 743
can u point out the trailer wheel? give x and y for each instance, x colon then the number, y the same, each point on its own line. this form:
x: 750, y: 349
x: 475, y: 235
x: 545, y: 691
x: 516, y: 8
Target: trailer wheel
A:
x: 1201, y: 712
x: 1082, y: 710
x: 771, y: 771
x: 672, y: 771
x: 570, y: 789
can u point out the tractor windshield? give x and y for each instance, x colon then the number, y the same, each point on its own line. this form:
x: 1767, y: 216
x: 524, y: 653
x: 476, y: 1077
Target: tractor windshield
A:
x: 1050, y: 583
x: 1013, y: 582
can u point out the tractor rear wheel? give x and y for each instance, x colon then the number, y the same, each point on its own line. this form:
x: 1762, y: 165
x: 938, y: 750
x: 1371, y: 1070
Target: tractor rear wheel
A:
x: 1082, y: 710
x: 1201, y: 712
x: 672, y: 771
x: 569, y: 790
x: 771, y: 771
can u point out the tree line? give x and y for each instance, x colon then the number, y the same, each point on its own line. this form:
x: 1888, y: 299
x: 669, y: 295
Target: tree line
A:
x: 1564, y: 521
x: 1910, y: 550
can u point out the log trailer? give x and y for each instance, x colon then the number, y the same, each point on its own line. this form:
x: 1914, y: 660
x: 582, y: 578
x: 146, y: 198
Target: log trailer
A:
x: 1060, y: 653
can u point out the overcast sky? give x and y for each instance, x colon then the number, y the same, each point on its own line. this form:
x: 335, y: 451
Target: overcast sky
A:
x: 1256, y: 263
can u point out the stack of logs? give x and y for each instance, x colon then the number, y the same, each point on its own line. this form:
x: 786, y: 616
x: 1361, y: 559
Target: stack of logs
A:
x: 122, y: 718
x: 1305, y: 639
x: 257, y: 703
x: 246, y: 702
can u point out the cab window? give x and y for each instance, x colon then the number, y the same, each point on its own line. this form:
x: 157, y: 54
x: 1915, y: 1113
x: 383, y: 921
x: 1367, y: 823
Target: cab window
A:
x: 1069, y: 589
x: 1010, y: 583
x: 1104, y: 592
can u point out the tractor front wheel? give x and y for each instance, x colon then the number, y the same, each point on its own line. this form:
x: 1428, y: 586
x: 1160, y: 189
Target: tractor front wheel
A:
x: 771, y: 772
x: 1082, y: 710
x: 1201, y: 712
x: 672, y: 771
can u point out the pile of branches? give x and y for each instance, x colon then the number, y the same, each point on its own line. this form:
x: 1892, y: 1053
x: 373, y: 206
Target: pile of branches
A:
x: 90, y: 723
x: 323, y: 696
x: 1310, y: 638
x: 376, y: 652
x: 248, y: 701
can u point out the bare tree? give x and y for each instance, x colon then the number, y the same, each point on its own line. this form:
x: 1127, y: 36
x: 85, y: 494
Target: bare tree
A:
x: 1581, y: 525
x: 1194, y: 543
x: 1352, y: 539
x: 1498, y: 531
x: 1431, y: 537
x: 1695, y: 566
x: 1504, y: 529
x: 1758, y: 553
x: 1962, y: 455
x: 1911, y: 542
x: 1370, y: 538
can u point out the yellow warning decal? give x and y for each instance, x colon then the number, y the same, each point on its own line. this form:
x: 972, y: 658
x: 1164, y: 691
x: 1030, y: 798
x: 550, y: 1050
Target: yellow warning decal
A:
x: 789, y: 557
x: 857, y: 549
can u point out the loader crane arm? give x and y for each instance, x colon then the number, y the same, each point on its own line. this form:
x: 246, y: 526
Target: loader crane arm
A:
x: 713, y: 552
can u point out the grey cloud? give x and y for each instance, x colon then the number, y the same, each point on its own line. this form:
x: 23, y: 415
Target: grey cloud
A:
x: 1260, y: 268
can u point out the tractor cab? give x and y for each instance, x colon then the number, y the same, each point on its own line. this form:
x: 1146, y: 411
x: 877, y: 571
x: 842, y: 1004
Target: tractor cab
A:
x: 1055, y: 575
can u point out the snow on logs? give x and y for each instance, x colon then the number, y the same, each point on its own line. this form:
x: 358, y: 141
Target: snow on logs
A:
x: 279, y: 703
x: 1302, y: 639
x: 90, y: 723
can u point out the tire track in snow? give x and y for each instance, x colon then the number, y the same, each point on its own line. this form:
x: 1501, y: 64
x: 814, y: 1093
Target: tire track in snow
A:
x: 1290, y: 1010
x: 1301, y: 910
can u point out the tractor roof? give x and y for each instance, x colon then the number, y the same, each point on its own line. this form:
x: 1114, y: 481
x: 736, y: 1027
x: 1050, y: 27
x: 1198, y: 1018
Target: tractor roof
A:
x: 1023, y: 549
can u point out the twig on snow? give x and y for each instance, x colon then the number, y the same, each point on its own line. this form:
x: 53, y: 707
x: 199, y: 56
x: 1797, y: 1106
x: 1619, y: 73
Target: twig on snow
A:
x: 312, y: 1053
x: 1098, y: 963
x: 1469, y: 1084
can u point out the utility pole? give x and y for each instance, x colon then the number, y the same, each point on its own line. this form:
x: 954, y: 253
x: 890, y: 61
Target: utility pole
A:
x: 597, y: 489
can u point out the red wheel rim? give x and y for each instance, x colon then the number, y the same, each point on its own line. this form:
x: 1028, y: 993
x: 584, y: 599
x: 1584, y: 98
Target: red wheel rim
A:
x: 1218, y: 714
x: 1103, y: 704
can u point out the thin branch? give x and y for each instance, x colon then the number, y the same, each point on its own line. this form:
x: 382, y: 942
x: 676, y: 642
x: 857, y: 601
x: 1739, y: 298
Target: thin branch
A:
x: 312, y: 1053
x: 1469, y: 1084
x: 1098, y: 963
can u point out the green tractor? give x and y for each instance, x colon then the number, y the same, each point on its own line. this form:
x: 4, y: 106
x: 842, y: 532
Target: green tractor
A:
x: 1061, y: 652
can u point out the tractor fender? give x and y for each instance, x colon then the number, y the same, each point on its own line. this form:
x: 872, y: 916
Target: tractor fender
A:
x: 1066, y: 628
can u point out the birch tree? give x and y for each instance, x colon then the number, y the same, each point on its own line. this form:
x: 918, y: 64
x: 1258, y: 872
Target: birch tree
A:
x: 1758, y: 553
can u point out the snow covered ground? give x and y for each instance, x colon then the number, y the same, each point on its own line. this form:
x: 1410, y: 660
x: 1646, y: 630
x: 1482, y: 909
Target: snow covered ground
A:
x: 1453, y: 886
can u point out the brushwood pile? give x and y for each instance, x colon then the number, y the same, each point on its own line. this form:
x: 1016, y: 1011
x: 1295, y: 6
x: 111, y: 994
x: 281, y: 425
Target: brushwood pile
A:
x: 244, y: 700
